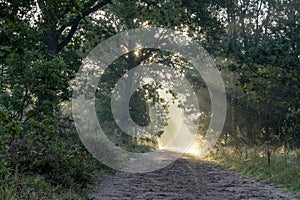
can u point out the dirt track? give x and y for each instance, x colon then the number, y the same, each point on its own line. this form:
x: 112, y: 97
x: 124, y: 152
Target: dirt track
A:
x: 187, y: 178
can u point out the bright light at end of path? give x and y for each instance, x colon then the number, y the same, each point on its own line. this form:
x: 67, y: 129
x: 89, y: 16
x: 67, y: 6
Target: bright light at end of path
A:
x: 179, y: 134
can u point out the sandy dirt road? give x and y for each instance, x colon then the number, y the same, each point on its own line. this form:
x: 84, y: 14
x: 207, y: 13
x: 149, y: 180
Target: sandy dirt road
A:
x: 187, y: 178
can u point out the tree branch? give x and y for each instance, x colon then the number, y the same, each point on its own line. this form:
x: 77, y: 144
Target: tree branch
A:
x: 88, y: 9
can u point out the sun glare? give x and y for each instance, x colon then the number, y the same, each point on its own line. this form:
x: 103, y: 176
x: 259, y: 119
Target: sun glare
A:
x: 177, y: 136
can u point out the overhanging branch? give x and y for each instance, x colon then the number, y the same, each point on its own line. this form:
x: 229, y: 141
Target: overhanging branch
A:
x: 88, y: 9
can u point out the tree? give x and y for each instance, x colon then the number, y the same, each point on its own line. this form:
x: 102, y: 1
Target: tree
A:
x: 262, y: 44
x: 38, y: 57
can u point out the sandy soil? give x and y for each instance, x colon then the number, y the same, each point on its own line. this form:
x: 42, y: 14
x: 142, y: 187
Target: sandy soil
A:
x: 187, y: 178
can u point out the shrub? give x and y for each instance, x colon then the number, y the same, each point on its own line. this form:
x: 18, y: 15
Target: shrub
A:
x: 37, y: 147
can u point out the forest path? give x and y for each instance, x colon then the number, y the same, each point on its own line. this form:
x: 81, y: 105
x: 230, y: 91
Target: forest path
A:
x: 187, y: 178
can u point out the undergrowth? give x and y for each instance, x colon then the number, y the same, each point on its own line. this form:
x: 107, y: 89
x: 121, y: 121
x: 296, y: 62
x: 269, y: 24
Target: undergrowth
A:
x: 41, y: 161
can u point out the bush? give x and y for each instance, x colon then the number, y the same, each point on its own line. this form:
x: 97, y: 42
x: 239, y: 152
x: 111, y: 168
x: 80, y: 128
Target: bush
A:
x: 291, y: 128
x: 44, y: 150
x: 8, y: 129
x: 38, y: 148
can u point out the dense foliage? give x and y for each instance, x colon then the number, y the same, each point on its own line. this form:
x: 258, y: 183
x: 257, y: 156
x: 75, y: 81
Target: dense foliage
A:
x: 254, y: 42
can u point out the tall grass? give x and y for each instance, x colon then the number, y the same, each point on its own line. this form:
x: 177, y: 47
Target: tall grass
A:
x: 284, y: 169
x: 20, y: 186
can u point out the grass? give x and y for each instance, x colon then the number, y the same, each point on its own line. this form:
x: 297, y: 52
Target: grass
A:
x: 29, y: 187
x: 36, y: 187
x: 24, y: 184
x: 284, y: 170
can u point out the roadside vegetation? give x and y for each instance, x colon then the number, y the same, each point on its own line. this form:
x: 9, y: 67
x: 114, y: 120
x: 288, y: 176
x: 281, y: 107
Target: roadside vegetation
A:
x: 283, y: 169
x: 46, y: 163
